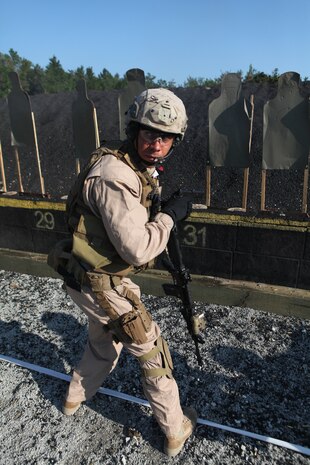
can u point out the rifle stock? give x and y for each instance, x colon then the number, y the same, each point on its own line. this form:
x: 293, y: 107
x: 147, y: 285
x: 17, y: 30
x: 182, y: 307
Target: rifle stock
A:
x: 181, y: 277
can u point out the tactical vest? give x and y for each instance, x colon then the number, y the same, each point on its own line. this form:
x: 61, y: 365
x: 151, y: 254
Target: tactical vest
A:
x: 91, y: 244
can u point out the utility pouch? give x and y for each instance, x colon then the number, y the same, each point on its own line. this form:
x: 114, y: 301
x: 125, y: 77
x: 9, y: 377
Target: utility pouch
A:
x: 100, y: 282
x: 139, y: 321
x: 132, y: 326
x: 76, y: 270
x: 59, y: 255
x: 60, y: 259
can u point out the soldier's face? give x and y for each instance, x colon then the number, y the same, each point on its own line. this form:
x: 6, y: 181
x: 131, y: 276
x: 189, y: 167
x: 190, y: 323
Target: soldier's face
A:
x: 153, y: 146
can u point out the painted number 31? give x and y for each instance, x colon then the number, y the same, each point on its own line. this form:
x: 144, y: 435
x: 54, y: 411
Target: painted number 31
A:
x: 44, y: 220
x: 195, y: 237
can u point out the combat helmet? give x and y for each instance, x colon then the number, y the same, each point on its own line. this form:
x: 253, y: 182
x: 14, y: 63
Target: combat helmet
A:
x: 159, y: 109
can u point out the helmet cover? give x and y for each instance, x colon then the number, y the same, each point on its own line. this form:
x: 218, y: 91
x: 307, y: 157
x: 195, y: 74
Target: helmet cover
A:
x: 159, y: 109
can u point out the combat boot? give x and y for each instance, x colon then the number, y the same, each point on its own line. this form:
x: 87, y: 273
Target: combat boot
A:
x: 69, y: 408
x: 174, y: 444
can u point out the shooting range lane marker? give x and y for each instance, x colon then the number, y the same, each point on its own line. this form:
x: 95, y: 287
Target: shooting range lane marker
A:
x: 137, y: 400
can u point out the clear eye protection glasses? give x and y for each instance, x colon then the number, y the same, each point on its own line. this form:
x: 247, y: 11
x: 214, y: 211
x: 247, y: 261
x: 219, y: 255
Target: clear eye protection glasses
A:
x: 152, y: 136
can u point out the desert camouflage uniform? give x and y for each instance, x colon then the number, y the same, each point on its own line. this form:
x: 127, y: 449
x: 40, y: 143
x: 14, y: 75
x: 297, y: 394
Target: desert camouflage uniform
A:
x: 113, y: 192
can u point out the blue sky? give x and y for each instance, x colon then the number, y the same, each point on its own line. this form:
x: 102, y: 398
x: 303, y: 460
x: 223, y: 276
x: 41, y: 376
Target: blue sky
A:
x: 171, y: 40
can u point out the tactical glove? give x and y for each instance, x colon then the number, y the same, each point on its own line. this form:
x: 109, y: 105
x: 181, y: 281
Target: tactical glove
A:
x: 178, y: 207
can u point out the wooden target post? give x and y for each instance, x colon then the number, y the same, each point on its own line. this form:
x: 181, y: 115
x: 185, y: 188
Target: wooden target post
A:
x: 304, y: 206
x: 208, y: 186
x: 37, y: 155
x: 246, y: 170
x: 84, y: 125
x: 18, y: 170
x: 263, y: 190
x: 2, y: 170
x: 23, y: 128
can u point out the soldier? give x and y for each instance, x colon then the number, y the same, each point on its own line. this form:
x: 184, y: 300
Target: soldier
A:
x: 116, y: 228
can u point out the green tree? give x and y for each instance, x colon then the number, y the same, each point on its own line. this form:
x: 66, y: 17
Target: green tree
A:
x: 23, y: 71
x: 15, y: 59
x: 56, y: 79
x: 91, y: 80
x: 79, y: 73
x: 108, y: 81
x: 35, y: 80
x: 164, y: 83
x: 201, y: 82
x: 257, y: 76
x: 5, y: 67
x: 274, y: 75
x: 13, y: 62
x: 194, y: 82
x: 150, y: 81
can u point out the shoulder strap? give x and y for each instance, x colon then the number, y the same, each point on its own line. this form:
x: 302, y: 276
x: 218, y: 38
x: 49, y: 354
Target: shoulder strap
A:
x: 135, y: 163
x: 75, y: 205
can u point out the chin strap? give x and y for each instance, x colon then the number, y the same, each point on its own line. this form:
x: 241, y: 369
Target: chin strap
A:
x: 163, y: 160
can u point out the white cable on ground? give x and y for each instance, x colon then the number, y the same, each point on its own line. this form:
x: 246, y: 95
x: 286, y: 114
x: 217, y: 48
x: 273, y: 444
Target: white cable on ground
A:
x: 137, y: 400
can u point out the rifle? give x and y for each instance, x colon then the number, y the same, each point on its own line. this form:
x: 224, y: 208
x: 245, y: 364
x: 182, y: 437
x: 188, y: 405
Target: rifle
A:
x: 181, y: 277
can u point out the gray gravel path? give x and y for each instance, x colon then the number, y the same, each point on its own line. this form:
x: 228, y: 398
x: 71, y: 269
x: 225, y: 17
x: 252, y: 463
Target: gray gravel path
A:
x: 256, y: 377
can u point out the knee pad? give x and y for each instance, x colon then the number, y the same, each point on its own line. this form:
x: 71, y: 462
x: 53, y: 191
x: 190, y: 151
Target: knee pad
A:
x: 161, y: 347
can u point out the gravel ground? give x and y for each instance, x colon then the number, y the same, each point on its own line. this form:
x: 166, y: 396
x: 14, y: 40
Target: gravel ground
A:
x: 255, y: 377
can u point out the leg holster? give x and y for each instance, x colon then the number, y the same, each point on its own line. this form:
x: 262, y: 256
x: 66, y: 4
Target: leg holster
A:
x: 131, y: 327
x: 161, y: 347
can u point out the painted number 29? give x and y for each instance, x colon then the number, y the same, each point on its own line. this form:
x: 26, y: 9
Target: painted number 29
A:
x: 44, y: 220
x: 195, y: 236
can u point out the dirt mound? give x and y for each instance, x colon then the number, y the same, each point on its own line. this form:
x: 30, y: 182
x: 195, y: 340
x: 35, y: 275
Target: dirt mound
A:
x: 186, y: 168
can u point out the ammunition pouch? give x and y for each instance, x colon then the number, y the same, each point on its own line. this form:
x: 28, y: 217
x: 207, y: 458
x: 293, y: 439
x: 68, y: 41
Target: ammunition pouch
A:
x: 161, y: 347
x: 130, y: 327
